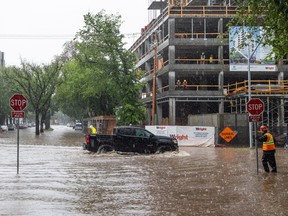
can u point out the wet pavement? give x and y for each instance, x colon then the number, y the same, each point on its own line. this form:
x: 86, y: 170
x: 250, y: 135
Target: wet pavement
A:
x: 57, y: 177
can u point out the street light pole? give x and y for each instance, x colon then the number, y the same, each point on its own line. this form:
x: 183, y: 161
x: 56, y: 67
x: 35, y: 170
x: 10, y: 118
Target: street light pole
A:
x: 249, y: 85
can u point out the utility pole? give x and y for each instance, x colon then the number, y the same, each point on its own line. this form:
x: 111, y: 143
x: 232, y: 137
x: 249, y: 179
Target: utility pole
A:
x: 154, y: 81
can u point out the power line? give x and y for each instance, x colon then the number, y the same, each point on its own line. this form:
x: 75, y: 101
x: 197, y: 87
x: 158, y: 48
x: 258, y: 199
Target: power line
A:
x: 36, y: 36
x: 51, y: 36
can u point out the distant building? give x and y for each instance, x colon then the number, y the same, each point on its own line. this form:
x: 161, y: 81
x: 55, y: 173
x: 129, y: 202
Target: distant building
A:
x: 2, y: 60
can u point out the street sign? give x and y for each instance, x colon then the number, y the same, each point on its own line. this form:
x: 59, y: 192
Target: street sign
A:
x: 255, y: 106
x: 18, y: 114
x: 227, y: 134
x: 255, y: 118
x: 18, y: 102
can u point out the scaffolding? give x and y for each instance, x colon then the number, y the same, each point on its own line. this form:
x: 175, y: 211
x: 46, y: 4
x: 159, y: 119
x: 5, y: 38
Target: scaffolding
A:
x: 186, y: 29
x: 103, y: 124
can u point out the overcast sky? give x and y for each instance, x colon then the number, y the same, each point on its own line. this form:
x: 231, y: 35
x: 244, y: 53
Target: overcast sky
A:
x: 44, y: 19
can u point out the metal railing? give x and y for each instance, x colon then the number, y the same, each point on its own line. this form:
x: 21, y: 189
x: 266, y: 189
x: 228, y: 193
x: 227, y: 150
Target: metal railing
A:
x: 202, y: 11
x: 201, y: 61
x: 201, y: 35
x: 257, y: 87
x: 184, y: 11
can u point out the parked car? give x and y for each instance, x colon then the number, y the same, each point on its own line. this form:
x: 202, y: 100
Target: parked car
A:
x: 4, y: 127
x: 78, y: 126
x: 11, y: 127
x: 23, y: 126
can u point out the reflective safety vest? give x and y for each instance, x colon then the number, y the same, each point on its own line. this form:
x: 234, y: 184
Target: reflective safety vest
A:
x: 93, y: 130
x: 269, y: 144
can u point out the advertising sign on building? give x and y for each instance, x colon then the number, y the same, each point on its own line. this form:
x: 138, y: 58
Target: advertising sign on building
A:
x: 244, y: 43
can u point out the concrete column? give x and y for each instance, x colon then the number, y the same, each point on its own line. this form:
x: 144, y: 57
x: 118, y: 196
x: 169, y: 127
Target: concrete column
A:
x: 171, y: 28
x: 221, y: 80
x: 171, y: 54
x: 140, y: 51
x: 281, y: 112
x: 192, y: 28
x: 147, y: 67
x: 159, y: 85
x: 158, y: 106
x: 220, y: 49
x: 148, y: 87
x: 172, y: 111
x: 204, y: 28
x: 159, y: 114
x: 149, y: 110
x: 221, y: 84
x: 146, y: 46
x: 220, y: 55
x: 172, y: 80
x: 281, y: 76
x: 220, y: 27
x: 280, y: 102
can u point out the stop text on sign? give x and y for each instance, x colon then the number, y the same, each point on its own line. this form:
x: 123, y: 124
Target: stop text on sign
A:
x: 255, y: 107
x: 18, y: 102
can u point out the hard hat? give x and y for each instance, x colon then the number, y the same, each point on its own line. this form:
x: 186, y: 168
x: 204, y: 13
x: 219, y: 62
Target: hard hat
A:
x: 263, y: 128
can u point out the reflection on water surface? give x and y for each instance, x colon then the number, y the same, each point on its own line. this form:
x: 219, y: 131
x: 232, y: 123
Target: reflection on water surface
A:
x: 57, y: 177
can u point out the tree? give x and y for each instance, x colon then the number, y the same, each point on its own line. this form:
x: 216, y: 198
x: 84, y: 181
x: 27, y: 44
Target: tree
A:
x: 5, y: 94
x: 38, y: 83
x: 101, y: 74
x: 272, y: 15
x: 70, y: 97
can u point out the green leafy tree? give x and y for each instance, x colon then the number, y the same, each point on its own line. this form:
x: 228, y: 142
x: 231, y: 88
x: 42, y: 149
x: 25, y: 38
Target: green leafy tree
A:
x: 69, y: 96
x: 272, y: 15
x: 5, y: 94
x: 38, y: 83
x: 100, y: 74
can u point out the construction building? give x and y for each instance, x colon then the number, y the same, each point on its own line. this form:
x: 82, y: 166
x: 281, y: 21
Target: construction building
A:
x: 189, y: 40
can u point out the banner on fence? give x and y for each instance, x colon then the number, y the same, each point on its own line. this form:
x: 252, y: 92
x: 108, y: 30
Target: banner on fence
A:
x: 186, y: 135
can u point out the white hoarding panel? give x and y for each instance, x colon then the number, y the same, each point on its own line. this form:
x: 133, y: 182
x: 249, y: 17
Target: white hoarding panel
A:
x: 187, y: 135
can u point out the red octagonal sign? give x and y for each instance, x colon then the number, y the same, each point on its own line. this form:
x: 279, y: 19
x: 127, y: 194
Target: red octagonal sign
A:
x: 255, y: 106
x: 18, y: 102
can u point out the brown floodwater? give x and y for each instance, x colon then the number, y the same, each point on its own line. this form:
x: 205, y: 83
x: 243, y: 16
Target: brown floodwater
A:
x: 57, y: 177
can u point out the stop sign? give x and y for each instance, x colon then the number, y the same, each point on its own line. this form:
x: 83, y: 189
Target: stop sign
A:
x: 18, y: 102
x: 255, y: 106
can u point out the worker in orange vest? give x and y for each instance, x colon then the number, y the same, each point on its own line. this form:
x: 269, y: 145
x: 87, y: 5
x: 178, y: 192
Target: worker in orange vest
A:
x: 268, y: 158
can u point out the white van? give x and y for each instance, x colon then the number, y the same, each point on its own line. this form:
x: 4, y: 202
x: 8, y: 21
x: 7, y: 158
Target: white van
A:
x: 78, y: 126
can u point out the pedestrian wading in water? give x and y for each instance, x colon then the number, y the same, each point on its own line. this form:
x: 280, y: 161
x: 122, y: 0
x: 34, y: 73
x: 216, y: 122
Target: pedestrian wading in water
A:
x: 268, y: 157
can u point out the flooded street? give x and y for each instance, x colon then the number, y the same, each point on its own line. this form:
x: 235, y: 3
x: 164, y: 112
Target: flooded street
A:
x: 57, y: 177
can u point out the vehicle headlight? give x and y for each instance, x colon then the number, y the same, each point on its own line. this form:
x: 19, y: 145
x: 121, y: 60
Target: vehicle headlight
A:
x: 175, y: 141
